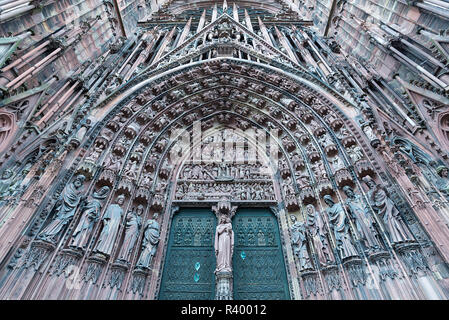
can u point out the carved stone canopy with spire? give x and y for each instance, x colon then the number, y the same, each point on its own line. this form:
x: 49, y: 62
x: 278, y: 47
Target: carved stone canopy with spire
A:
x: 224, y: 207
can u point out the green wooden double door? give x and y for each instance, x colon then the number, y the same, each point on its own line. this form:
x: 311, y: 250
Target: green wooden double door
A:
x: 258, y: 264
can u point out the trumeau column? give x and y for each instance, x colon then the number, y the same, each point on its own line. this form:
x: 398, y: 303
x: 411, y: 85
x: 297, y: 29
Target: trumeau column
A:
x: 224, y: 249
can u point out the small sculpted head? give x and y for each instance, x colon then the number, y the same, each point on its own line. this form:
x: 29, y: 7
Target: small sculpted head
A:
x: 310, y: 209
x: 348, y: 191
x: 140, y: 209
x: 121, y: 199
x: 102, y: 192
x: 328, y: 200
x: 369, y: 182
x: 293, y: 218
x: 7, y: 174
x: 443, y: 171
x: 79, y: 180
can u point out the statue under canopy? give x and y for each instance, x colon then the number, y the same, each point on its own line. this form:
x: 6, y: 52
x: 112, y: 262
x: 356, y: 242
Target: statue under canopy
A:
x: 66, y: 207
x: 388, y: 212
x: 299, y: 243
x: 443, y: 181
x: 340, y: 226
x: 132, y: 228
x: 316, y: 231
x: 5, y: 181
x: 224, y: 244
x: 111, y: 225
x: 363, y: 221
x: 149, y: 243
x: 90, y: 214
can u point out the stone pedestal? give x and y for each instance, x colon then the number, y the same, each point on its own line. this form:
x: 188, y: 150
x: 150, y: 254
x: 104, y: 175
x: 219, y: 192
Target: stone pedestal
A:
x: 223, y: 290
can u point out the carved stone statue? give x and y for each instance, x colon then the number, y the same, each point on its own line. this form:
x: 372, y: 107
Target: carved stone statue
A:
x: 340, y: 226
x: 66, y: 206
x: 355, y: 153
x: 342, y: 133
x: 337, y: 163
x: 90, y: 214
x: 131, y: 169
x: 224, y: 244
x: 370, y: 134
x: 111, y: 224
x: 325, y: 140
x: 132, y: 228
x: 113, y: 163
x: 95, y: 154
x: 299, y: 244
x: 315, y: 229
x: 363, y: 221
x: 388, y: 212
x: 11, y: 186
x: 319, y: 170
x: 149, y: 243
x: 443, y: 182
x: 5, y: 181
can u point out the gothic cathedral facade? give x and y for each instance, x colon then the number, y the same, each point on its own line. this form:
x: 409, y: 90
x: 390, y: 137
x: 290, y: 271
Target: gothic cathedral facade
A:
x: 210, y: 149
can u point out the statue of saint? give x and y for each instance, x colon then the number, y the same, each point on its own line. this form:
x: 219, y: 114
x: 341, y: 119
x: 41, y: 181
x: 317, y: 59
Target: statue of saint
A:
x: 355, y: 153
x: 315, y: 227
x: 362, y: 219
x: 66, y: 206
x: 443, y: 182
x: 90, y: 214
x: 340, y: 226
x: 299, y: 244
x: 131, y: 169
x: 337, y: 163
x: 5, y: 181
x: 149, y: 243
x: 111, y: 224
x: 113, y: 163
x: 132, y: 228
x: 94, y: 154
x: 388, y: 212
x: 10, y: 193
x: 224, y: 244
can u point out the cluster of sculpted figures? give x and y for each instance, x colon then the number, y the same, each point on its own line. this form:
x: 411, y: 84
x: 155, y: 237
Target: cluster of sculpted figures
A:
x: 216, y: 170
x: 112, y: 221
x: 339, y: 216
x: 238, y: 190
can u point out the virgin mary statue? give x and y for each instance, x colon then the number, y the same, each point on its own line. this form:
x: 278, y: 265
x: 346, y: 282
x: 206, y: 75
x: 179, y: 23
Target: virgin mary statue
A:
x: 224, y: 245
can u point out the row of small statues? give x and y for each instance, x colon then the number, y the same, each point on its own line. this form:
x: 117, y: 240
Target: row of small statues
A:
x: 360, y: 214
x: 224, y: 170
x: 238, y: 191
x: 71, y: 199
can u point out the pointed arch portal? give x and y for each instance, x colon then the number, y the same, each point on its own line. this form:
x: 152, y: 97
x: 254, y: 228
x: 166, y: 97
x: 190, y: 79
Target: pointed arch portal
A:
x: 177, y: 145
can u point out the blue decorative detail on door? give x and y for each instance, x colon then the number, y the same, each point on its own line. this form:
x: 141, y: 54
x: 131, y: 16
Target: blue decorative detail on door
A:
x: 190, y: 261
x: 258, y: 263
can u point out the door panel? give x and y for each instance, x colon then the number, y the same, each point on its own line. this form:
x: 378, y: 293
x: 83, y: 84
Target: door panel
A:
x: 190, y: 262
x: 258, y: 262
